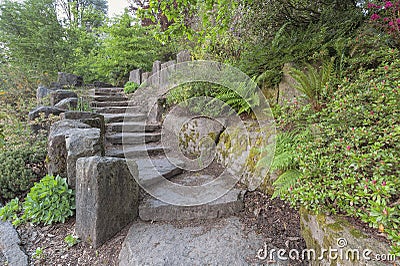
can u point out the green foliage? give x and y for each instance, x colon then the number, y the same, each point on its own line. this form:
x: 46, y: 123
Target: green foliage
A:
x: 71, y: 240
x: 38, y: 254
x: 130, y: 87
x: 33, y: 36
x: 350, y: 166
x: 127, y: 45
x: 9, y: 212
x: 241, y: 100
x: 312, y: 81
x: 49, y: 201
x: 17, y: 169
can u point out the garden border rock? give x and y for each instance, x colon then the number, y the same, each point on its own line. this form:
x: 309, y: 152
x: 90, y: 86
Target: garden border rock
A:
x: 10, y: 245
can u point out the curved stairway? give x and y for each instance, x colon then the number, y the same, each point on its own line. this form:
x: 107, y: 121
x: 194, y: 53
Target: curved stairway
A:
x: 112, y: 103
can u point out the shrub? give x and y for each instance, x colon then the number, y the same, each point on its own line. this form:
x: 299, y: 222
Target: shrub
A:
x: 350, y: 166
x: 48, y: 201
x: 130, y: 87
x: 19, y: 168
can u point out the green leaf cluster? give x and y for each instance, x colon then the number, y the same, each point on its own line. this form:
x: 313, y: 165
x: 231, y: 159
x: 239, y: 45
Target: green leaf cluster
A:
x: 349, y: 165
x: 48, y: 201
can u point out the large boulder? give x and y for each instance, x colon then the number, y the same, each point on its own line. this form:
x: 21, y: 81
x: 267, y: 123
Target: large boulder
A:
x: 89, y: 118
x: 41, y: 93
x: 56, y: 146
x: 46, y: 110
x: 287, y: 91
x: 67, y: 79
x: 106, y: 197
x: 81, y: 143
x: 58, y: 95
x: 136, y: 76
x: 67, y: 103
x: 183, y: 56
x: 344, y: 242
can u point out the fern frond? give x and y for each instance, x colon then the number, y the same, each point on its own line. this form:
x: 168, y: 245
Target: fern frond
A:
x: 285, y: 181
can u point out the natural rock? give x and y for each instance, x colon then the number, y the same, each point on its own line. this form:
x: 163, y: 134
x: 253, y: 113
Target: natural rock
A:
x: 183, y: 56
x: 81, y: 143
x: 56, y: 146
x: 67, y: 79
x: 58, y: 95
x: 10, y: 245
x: 89, y: 118
x: 46, y: 110
x: 106, y: 197
x: 287, y: 91
x: 136, y: 76
x: 336, y: 233
x: 100, y: 84
x: 238, y: 150
x: 67, y: 103
x: 145, y: 76
x: 41, y: 93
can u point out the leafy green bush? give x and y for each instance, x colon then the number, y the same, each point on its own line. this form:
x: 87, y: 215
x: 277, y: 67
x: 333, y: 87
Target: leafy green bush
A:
x: 49, y: 201
x: 350, y: 166
x: 130, y: 87
x: 184, y: 93
x: 311, y: 82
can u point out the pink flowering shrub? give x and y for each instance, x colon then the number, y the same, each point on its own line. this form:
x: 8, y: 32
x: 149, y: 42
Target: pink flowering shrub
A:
x: 386, y: 15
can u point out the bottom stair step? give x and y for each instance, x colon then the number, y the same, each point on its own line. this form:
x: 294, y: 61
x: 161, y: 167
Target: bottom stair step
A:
x: 153, y: 209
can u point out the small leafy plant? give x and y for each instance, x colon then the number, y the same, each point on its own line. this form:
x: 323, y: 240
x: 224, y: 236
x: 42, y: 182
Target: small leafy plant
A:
x: 71, y: 240
x: 38, y: 254
x: 130, y: 87
x: 49, y: 201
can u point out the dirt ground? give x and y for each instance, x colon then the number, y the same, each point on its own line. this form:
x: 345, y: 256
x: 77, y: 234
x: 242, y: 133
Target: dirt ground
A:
x: 272, y: 218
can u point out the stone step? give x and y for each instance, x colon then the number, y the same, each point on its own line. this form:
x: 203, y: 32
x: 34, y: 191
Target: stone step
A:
x: 150, y: 171
x: 109, y: 104
x: 113, y: 109
x: 132, y: 127
x: 115, y: 118
x: 133, y: 138
x: 136, y: 151
x: 229, y: 204
x: 110, y: 98
x: 107, y: 91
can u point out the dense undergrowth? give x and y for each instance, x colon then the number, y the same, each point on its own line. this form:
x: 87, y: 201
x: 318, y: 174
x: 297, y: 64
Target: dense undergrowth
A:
x: 338, y: 149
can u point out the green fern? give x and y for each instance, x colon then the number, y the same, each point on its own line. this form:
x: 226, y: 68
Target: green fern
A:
x: 234, y: 99
x: 285, y: 161
x: 311, y: 82
x: 285, y: 181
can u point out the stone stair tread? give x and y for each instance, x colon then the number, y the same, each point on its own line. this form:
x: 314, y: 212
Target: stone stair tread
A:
x: 231, y: 203
x: 110, y: 98
x: 96, y: 104
x: 132, y: 127
x: 136, y: 150
x: 150, y: 170
x: 113, y: 109
x: 133, y: 137
x: 121, y: 117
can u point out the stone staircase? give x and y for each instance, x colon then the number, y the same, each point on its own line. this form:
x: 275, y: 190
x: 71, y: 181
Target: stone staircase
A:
x: 144, y: 146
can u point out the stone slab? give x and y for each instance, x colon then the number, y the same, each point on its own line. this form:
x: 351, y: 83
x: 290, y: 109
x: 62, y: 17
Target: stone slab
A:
x: 155, y: 210
x: 222, y: 242
x: 106, y: 197
x: 10, y: 246
x: 133, y: 138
